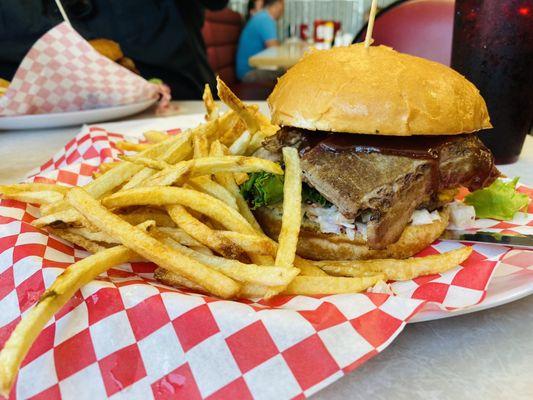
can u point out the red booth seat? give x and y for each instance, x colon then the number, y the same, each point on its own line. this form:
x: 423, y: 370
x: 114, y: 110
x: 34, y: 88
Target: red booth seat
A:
x: 221, y: 33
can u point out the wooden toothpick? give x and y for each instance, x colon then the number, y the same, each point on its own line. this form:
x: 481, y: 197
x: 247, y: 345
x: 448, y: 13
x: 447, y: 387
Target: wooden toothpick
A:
x: 370, y: 26
x: 62, y: 11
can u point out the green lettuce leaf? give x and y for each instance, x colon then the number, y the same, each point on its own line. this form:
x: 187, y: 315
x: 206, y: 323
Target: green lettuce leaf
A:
x: 310, y: 195
x: 263, y: 188
x: 498, y: 201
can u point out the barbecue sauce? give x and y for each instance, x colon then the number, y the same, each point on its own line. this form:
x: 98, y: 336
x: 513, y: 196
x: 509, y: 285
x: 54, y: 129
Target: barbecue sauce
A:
x: 419, y: 147
x: 423, y: 147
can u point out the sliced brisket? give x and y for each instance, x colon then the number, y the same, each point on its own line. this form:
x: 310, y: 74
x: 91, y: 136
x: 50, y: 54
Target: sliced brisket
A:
x: 387, y: 176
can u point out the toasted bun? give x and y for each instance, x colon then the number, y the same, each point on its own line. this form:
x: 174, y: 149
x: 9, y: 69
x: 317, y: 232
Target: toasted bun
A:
x: 376, y: 91
x: 108, y: 48
x: 317, y: 246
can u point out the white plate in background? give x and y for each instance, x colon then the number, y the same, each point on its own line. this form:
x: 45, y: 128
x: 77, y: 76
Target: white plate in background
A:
x: 56, y: 120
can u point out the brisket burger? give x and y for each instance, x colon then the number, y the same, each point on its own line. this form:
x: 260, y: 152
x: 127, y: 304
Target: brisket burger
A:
x: 385, y: 141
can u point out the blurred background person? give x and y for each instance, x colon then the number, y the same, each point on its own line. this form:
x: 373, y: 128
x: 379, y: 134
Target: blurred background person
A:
x: 253, y: 7
x: 162, y: 37
x: 259, y: 33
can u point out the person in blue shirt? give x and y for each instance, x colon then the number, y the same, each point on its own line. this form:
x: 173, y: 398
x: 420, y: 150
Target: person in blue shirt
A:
x: 259, y: 33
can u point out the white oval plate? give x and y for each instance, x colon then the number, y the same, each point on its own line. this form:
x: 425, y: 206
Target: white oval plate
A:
x: 56, y: 120
x: 501, y: 290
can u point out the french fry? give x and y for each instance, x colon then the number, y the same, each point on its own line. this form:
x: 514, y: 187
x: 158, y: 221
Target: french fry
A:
x: 200, y: 146
x: 255, y: 121
x: 93, y: 242
x: 129, y: 146
x: 200, y: 202
x: 213, y: 129
x: 206, y: 185
x: 120, y: 174
x: 229, y: 136
x: 292, y: 209
x: 267, y: 127
x: 212, y: 165
x: 140, y: 177
x: 104, y: 167
x: 204, y: 234
x: 307, y: 268
x: 228, y: 181
x: 316, y: 285
x: 148, y: 247
x: 172, y: 279
x: 94, y: 236
x: 78, y: 240
x: 210, y: 106
x: 240, y: 177
x: 44, y: 197
x: 155, y: 136
x: 47, y: 209
x: 106, y: 182
x: 180, y: 236
x: 252, y: 244
x: 239, y: 146
x: 68, y: 217
x: 233, y: 102
x: 255, y: 142
x: 147, y: 162
x: 250, y: 273
x: 398, y: 270
x: 175, y: 149
x: 254, y: 291
x: 33, y: 187
x: 249, y: 243
x: 57, y: 295
x: 161, y: 218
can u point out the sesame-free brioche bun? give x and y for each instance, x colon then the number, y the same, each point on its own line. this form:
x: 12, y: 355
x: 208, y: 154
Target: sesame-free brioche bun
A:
x: 315, y: 245
x: 376, y: 91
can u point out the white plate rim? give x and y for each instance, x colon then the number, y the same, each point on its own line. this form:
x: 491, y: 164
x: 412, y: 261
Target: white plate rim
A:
x: 69, y: 118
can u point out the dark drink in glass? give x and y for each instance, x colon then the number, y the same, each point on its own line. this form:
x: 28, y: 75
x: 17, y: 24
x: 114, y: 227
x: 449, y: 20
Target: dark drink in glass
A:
x: 493, y: 48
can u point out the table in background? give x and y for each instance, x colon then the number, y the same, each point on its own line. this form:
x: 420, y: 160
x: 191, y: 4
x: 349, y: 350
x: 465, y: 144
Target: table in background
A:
x: 284, y: 56
x: 485, y: 355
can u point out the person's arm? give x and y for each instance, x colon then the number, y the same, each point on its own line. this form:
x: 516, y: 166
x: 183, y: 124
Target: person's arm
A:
x: 268, y: 33
x: 272, y: 43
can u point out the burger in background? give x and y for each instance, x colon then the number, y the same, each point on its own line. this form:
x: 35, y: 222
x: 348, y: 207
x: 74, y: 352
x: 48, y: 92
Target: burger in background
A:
x: 4, y: 84
x: 111, y: 49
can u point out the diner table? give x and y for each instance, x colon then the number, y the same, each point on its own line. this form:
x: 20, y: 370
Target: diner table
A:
x: 279, y: 57
x: 483, y: 355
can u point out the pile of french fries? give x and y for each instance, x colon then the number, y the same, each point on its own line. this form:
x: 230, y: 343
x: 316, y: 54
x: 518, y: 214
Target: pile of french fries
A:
x: 175, y: 201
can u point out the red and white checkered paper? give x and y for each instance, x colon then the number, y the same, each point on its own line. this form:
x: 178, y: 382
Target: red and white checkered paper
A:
x: 126, y: 336
x: 62, y: 72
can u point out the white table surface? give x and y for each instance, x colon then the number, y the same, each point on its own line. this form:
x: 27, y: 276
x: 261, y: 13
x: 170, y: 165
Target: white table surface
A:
x: 485, y: 355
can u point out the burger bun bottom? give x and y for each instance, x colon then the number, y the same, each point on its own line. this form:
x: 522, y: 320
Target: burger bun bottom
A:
x: 318, y: 246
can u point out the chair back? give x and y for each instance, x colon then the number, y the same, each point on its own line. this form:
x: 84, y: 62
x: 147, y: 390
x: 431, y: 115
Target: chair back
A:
x: 422, y: 28
x: 221, y: 33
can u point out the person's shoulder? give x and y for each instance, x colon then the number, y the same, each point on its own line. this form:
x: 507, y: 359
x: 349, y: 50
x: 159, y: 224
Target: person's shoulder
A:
x: 261, y: 17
